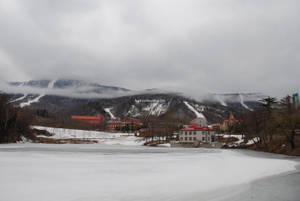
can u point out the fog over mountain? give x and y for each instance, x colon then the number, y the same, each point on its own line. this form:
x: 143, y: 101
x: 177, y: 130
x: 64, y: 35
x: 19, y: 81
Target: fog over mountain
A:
x: 192, y: 46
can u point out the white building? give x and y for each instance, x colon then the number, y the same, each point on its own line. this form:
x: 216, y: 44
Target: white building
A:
x: 196, y: 134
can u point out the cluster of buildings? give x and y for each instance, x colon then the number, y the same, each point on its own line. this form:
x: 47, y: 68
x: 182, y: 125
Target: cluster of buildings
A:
x: 113, y: 125
x: 197, y: 133
x: 127, y: 124
x: 230, y: 123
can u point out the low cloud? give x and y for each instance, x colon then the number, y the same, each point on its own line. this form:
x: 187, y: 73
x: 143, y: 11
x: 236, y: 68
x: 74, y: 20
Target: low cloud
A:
x: 192, y: 46
x: 76, y: 92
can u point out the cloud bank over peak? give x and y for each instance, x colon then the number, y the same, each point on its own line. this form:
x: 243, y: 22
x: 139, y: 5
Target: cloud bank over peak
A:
x: 191, y: 46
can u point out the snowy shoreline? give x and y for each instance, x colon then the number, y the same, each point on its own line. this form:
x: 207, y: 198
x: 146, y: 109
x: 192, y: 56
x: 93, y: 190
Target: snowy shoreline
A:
x: 98, y: 136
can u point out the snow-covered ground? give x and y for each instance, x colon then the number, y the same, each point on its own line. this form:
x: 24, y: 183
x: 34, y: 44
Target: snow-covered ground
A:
x: 101, y: 137
x: 34, y: 172
x: 241, y: 140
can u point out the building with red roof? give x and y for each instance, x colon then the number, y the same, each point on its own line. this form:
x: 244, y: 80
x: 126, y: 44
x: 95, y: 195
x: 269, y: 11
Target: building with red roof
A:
x: 229, y: 123
x: 113, y: 125
x: 127, y: 124
x: 194, y: 133
x: 95, y: 120
x: 131, y: 123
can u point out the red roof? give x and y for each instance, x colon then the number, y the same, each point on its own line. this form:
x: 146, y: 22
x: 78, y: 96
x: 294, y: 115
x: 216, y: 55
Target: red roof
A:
x: 90, y: 119
x: 217, y: 124
x: 195, y: 127
x: 99, y: 117
x: 114, y: 121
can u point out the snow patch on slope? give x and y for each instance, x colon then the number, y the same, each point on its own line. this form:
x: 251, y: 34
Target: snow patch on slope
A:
x: 51, y: 84
x: 148, y: 107
x: 243, y: 103
x: 222, y: 102
x: 29, y: 102
x: 108, y: 111
x: 198, y: 114
x: 18, y: 99
x: 156, y: 108
x: 133, y: 111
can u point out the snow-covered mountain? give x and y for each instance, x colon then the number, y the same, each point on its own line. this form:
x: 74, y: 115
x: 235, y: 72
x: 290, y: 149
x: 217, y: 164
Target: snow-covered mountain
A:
x: 78, y: 86
x: 33, y: 91
x: 67, y: 97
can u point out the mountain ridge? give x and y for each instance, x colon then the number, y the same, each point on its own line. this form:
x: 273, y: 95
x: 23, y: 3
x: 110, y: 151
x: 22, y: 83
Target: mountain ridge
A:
x: 214, y: 107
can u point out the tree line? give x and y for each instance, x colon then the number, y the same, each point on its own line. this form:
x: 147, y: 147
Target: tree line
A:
x: 14, y: 121
x: 276, y: 122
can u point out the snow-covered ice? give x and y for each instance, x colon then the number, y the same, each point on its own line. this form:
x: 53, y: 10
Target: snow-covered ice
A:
x: 34, y: 172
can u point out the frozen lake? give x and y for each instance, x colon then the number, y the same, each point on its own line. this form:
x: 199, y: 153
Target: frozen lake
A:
x: 35, y: 172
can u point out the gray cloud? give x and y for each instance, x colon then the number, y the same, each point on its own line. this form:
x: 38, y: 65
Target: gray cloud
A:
x: 191, y: 46
x: 83, y: 91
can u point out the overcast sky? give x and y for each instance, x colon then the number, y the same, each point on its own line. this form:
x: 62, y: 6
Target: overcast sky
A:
x: 195, y: 46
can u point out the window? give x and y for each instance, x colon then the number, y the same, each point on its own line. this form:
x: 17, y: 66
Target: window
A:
x: 203, y: 138
x: 185, y: 132
x: 185, y: 138
x: 181, y: 138
x: 194, y: 138
x: 190, y: 132
x: 191, y: 138
x: 194, y: 132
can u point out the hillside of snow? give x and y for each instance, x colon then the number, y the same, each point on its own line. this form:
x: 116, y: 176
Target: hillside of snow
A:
x: 148, y: 107
x: 101, y: 137
x: 197, y: 113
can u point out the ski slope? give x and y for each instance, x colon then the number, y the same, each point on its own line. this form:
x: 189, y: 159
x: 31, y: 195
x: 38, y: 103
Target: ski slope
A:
x: 108, y: 111
x: 29, y: 102
x: 198, y: 114
x: 243, y: 103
